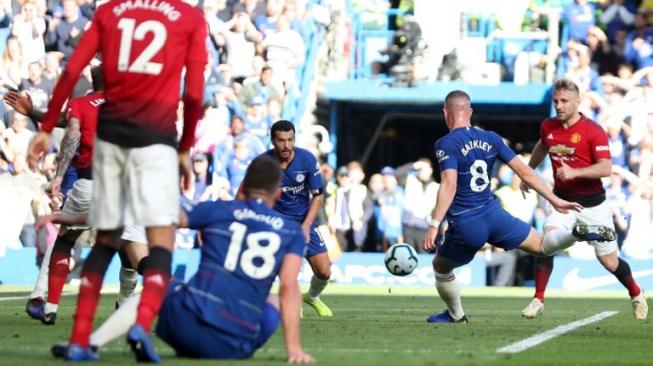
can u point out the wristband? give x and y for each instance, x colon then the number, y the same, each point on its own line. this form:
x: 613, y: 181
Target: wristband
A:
x: 435, y: 223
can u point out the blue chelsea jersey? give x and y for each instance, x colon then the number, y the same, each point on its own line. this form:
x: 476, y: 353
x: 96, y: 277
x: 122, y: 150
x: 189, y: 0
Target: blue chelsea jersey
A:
x: 300, y: 180
x: 472, y: 153
x: 244, y: 243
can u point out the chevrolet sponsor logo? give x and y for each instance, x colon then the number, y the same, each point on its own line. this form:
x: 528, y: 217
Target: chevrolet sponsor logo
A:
x: 562, y: 150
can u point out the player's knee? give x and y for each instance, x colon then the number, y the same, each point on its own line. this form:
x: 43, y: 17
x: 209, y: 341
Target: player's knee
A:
x: 323, y: 273
x: 609, y: 261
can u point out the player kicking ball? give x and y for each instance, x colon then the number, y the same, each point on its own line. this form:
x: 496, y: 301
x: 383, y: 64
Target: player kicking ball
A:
x: 226, y: 311
x: 580, y: 157
x: 474, y: 215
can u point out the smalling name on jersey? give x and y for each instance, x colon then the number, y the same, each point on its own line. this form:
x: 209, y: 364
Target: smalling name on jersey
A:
x: 475, y: 144
x: 163, y: 7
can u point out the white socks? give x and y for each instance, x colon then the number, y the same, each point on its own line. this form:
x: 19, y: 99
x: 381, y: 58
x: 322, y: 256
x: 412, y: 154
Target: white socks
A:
x: 41, y: 285
x: 449, y: 291
x: 118, y: 323
x: 128, y: 282
x: 317, y: 286
x: 557, y: 240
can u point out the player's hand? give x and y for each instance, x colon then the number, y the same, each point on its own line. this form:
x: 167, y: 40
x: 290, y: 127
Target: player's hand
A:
x: 37, y: 147
x: 21, y: 103
x: 428, y: 243
x: 299, y: 356
x: 53, y: 189
x: 185, y: 170
x: 306, y: 229
x: 565, y: 172
x: 564, y: 207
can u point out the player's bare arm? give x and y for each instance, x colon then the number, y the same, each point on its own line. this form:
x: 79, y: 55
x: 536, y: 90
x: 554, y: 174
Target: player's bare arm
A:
x: 316, y: 203
x: 602, y: 168
x: 446, y: 194
x: 289, y: 296
x: 537, y: 156
x: 69, y: 145
x: 528, y: 175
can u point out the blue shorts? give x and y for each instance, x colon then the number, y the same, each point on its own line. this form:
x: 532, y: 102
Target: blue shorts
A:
x: 465, y: 236
x: 316, y: 245
x: 68, y: 180
x: 190, y: 337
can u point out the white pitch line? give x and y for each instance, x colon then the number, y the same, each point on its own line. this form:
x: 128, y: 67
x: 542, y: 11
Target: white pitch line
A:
x: 550, y: 334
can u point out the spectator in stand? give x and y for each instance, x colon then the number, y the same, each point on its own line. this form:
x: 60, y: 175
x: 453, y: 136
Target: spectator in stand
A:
x: 240, y: 43
x: 606, y: 55
x: 267, y: 22
x: 211, y: 129
x: 339, y: 220
x: 639, y: 43
x: 13, y: 68
x: 361, y: 207
x: 29, y: 28
x: 583, y: 74
x: 63, y: 32
x: 391, y: 202
x: 579, y: 15
x: 38, y: 88
x: 52, y: 66
x: 284, y: 50
x: 237, y: 165
x: 420, y: 192
x: 619, y: 14
x: 217, y: 26
x: 253, y: 8
x: 259, y: 87
x: 16, y: 139
x: 256, y: 121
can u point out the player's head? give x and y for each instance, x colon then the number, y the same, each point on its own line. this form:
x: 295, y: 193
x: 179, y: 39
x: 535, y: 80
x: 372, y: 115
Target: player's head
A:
x: 97, y: 78
x: 262, y: 179
x: 282, y: 134
x: 566, y: 99
x: 457, y: 109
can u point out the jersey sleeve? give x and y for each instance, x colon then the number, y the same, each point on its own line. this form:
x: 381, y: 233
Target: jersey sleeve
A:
x: 314, y: 174
x: 504, y: 151
x: 600, y: 149
x: 446, y: 156
x: 73, y: 110
x: 199, y: 215
x: 197, y: 46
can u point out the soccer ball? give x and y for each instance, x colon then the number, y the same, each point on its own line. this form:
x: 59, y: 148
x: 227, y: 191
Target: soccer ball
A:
x: 401, y: 259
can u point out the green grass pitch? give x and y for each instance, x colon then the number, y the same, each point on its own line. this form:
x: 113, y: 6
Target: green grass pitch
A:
x: 382, y: 326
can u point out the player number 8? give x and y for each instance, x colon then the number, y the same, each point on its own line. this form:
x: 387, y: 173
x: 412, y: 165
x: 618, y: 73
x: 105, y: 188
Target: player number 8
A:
x: 479, y: 175
x: 254, y: 250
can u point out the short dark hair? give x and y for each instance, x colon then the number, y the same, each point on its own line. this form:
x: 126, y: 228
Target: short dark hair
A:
x: 263, y: 173
x: 97, y: 78
x: 456, y: 94
x: 281, y: 125
x: 566, y: 84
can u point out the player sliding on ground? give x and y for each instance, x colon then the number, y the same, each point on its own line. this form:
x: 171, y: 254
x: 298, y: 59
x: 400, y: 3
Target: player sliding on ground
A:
x: 466, y: 156
x: 580, y: 156
x: 226, y: 310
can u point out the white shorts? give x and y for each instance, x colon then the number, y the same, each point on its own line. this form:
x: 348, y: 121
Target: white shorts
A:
x: 135, y: 234
x: 134, y: 186
x: 78, y: 200
x: 594, y: 216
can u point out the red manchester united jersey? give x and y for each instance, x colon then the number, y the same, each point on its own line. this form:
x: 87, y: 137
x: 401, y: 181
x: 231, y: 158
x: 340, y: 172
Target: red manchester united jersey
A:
x: 579, y: 146
x: 144, y: 45
x: 85, y: 109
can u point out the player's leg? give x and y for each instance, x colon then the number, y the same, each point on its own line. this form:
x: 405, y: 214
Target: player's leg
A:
x: 318, y: 258
x: 78, y: 201
x: 269, y: 321
x: 35, y: 302
x: 133, y: 248
x: 153, y: 202
x: 607, y: 252
x: 105, y: 214
x: 461, y: 242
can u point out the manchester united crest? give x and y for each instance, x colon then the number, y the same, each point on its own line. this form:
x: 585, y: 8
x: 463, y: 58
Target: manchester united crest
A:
x: 575, y: 138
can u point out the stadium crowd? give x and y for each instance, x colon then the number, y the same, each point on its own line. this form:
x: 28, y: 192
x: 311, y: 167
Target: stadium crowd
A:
x: 255, y: 49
